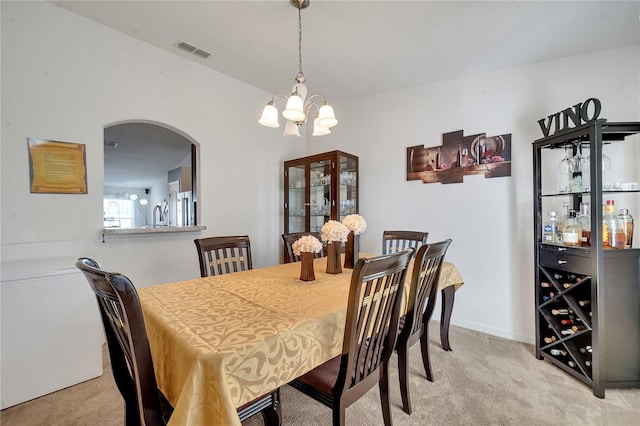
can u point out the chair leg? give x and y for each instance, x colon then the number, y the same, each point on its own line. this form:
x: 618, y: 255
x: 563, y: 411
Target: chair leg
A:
x: 424, y: 344
x: 403, y: 373
x: 272, y: 415
x: 339, y: 409
x: 448, y: 296
x: 131, y: 414
x: 383, y: 384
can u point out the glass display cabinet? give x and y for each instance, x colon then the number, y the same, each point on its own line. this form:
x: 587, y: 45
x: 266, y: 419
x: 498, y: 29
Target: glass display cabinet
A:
x: 319, y: 188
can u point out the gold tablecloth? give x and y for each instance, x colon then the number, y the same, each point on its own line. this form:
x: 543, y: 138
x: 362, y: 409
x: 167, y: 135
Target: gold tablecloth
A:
x: 220, y: 342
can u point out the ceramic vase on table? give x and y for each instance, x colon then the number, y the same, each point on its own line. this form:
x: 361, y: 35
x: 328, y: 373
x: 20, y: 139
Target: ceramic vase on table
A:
x: 334, y: 265
x: 351, y: 252
x: 306, y: 267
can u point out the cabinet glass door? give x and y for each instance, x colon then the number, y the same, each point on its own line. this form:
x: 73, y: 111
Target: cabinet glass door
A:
x: 297, y: 195
x: 320, y: 201
x: 348, y: 181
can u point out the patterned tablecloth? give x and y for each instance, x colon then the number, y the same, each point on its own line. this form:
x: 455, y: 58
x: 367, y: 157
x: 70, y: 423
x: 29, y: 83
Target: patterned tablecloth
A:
x: 220, y: 342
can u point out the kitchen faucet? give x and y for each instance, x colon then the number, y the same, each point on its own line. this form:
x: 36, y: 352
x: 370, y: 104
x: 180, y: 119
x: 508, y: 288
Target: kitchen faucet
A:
x: 161, y: 218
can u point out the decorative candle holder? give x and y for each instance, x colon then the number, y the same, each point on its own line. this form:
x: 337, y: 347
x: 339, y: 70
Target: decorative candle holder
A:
x: 306, y: 267
x: 333, y: 257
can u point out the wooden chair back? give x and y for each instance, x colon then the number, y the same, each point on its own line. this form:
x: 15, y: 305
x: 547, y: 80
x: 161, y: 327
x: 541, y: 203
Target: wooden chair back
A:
x: 289, y: 239
x: 224, y: 255
x: 393, y: 241
x: 423, y: 291
x: 373, y: 311
x: 127, y: 342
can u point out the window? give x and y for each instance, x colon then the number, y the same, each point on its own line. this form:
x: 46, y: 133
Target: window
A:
x: 118, y: 213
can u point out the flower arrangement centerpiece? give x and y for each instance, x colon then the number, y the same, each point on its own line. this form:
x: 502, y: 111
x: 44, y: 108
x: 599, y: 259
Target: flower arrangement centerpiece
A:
x: 356, y: 226
x: 305, y: 247
x: 334, y: 233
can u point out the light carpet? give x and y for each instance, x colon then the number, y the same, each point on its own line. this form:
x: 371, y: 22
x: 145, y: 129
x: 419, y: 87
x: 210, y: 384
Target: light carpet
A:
x: 485, y: 380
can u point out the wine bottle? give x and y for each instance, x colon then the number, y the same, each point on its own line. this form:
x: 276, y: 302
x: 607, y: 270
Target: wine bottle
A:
x: 571, y: 364
x: 561, y: 311
x: 567, y: 285
x: 586, y: 349
x: 557, y: 352
x: 557, y: 276
x: 587, y: 363
x: 550, y: 339
x: 577, y: 328
x: 567, y: 332
x: 545, y: 284
x: 569, y: 321
x: 584, y: 302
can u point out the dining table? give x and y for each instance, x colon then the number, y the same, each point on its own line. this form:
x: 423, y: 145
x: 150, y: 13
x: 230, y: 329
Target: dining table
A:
x: 219, y: 342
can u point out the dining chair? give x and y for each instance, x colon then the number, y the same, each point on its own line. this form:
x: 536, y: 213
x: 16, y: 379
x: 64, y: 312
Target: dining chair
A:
x: 414, y: 325
x: 393, y: 241
x: 130, y: 354
x: 291, y: 238
x: 223, y: 255
x: 373, y: 311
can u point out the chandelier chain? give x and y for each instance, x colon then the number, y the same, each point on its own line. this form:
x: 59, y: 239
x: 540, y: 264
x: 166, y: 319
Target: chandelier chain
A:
x: 300, y: 73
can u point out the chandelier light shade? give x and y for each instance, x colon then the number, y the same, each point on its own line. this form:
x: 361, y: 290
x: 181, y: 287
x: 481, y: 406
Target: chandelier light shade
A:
x: 298, y: 106
x: 269, y: 116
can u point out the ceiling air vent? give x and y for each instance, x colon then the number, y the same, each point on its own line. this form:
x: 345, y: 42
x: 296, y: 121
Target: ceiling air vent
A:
x: 192, y: 49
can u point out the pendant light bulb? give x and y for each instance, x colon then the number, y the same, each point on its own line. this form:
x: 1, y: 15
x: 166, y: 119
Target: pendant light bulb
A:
x: 318, y: 130
x: 269, y: 116
x: 326, y: 116
x: 294, y: 109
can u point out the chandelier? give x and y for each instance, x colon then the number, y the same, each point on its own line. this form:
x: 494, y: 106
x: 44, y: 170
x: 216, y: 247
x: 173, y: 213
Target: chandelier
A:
x: 298, y: 106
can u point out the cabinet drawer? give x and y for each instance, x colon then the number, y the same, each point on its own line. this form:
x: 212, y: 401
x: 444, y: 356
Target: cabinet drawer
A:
x: 565, y: 260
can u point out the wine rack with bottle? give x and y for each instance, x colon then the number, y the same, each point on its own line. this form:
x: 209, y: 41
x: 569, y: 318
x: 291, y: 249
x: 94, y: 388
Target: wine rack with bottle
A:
x: 587, y: 296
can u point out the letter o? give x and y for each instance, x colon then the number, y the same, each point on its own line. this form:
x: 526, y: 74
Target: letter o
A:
x: 584, y: 109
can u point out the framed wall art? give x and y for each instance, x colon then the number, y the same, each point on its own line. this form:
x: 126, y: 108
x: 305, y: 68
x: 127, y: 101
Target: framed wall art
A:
x: 57, y: 167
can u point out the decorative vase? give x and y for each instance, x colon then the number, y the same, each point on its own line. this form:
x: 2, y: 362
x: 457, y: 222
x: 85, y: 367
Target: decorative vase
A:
x: 306, y: 267
x: 334, y: 265
x: 351, y: 252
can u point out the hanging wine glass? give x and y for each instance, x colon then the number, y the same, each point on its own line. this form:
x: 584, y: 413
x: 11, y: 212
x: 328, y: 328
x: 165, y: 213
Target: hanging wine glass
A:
x: 563, y: 166
x: 606, y: 162
x: 580, y: 168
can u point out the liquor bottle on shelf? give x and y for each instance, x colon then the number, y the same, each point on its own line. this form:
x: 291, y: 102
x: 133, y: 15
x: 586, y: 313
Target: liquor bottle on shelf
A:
x: 605, y: 227
x: 610, y: 226
x: 627, y: 226
x: 551, y: 233
x: 459, y: 156
x: 562, y: 219
x: 584, y: 220
x: 572, y: 232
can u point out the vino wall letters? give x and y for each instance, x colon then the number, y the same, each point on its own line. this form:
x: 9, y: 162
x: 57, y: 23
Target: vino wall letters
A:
x: 458, y: 156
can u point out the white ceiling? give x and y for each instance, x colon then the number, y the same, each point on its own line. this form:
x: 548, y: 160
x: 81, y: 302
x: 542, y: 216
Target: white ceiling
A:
x: 357, y: 48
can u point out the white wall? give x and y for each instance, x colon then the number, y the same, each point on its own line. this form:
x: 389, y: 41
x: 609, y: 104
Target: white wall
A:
x: 65, y: 78
x: 489, y: 220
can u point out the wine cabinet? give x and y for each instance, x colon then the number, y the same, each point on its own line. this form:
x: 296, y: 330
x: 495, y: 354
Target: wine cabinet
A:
x: 588, y: 297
